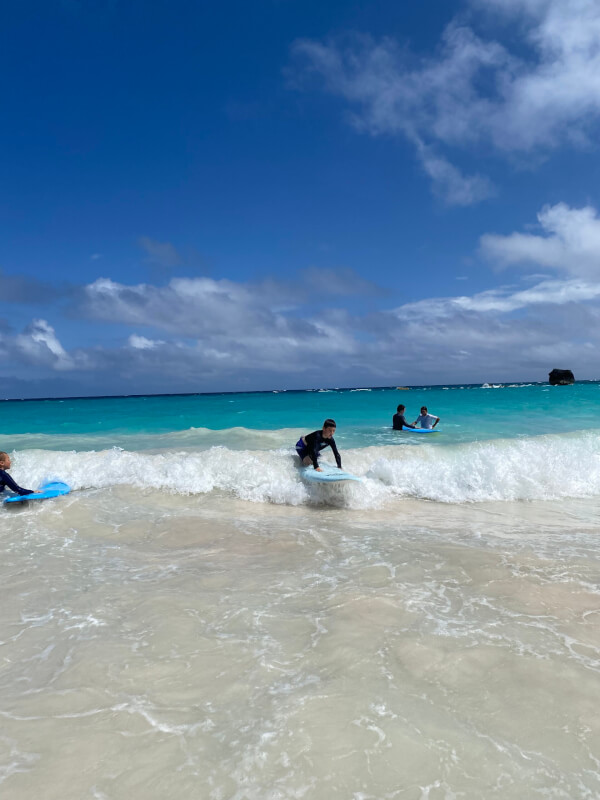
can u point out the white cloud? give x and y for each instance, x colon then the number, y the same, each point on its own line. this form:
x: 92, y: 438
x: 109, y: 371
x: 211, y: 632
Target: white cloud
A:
x: 142, y: 343
x: 503, y: 301
x: 201, y: 334
x: 225, y: 331
x: 244, y: 325
x: 450, y: 184
x: 556, y: 94
x: 539, y: 89
x: 188, y: 306
x: 39, y: 344
x: 195, y: 307
x: 570, y: 242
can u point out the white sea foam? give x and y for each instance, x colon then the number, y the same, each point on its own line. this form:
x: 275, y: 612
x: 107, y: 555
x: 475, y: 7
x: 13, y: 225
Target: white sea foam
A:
x: 544, y: 467
x: 215, y: 648
x: 533, y: 468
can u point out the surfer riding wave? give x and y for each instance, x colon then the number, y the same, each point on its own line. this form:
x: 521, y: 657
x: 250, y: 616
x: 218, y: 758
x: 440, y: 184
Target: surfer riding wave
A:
x: 309, y: 447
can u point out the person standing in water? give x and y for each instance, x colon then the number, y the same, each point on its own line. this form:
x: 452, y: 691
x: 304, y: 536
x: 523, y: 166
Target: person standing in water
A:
x: 309, y: 447
x: 426, y: 420
x: 399, y: 420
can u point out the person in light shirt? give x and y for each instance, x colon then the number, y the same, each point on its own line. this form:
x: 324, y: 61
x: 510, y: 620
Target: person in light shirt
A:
x: 426, y: 420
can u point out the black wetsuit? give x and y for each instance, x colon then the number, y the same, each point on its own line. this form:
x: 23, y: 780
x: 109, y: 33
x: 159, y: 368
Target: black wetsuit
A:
x: 399, y: 421
x: 315, y: 442
x: 6, y: 480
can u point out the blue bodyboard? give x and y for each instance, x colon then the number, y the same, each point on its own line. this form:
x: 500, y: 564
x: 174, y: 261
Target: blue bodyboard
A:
x: 421, y: 430
x: 329, y: 474
x: 51, y: 489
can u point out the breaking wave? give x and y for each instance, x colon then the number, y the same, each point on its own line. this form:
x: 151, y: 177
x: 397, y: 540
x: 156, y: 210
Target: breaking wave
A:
x: 532, y: 468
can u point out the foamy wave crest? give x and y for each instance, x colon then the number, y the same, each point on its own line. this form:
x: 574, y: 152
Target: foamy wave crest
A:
x: 533, y: 468
x: 258, y: 476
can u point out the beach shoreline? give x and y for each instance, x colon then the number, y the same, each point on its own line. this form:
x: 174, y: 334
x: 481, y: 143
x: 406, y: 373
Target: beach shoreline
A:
x: 194, y: 620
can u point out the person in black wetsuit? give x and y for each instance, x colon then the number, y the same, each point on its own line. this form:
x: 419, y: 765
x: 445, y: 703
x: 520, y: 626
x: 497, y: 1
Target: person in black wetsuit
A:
x: 6, y: 480
x: 399, y: 420
x: 308, y: 447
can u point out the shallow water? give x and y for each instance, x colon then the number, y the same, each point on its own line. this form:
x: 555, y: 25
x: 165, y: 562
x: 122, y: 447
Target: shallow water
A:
x: 157, y: 646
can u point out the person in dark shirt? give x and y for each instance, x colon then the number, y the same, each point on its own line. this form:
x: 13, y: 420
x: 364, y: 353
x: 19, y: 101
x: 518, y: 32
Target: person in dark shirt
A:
x: 399, y: 420
x: 6, y: 480
x: 308, y: 447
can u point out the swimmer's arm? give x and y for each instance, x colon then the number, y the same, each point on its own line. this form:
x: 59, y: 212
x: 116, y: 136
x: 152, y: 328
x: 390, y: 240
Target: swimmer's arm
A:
x: 338, y: 458
x: 8, y: 481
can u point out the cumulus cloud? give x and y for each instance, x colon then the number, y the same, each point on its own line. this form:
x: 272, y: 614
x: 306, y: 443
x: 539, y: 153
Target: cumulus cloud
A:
x: 220, y: 324
x: 223, y: 331
x: 39, y: 344
x: 537, y: 90
x: 194, y: 307
x: 191, y: 307
x: 569, y: 242
x: 191, y: 330
x: 200, y: 334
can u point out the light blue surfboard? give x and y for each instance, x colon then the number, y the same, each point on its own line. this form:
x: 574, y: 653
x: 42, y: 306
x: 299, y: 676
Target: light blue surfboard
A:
x: 421, y: 430
x: 51, y: 489
x: 328, y: 474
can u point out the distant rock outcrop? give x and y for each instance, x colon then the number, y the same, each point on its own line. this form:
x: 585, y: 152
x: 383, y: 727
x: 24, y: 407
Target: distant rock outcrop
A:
x: 561, y: 377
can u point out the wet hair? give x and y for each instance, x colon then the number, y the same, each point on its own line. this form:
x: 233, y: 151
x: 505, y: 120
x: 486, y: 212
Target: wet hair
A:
x: 400, y: 407
x: 423, y: 408
x: 329, y: 423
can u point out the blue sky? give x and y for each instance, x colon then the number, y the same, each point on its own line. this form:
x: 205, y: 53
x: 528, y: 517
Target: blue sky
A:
x: 282, y: 194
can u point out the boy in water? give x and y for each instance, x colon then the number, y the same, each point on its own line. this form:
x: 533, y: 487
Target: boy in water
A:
x: 308, y: 447
x: 6, y: 480
x: 399, y: 420
x: 426, y: 420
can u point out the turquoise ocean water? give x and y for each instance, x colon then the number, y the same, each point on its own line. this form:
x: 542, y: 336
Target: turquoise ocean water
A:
x: 517, y: 441
x: 468, y: 413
